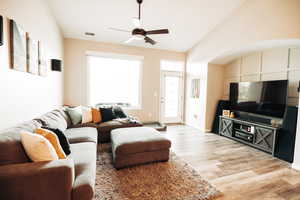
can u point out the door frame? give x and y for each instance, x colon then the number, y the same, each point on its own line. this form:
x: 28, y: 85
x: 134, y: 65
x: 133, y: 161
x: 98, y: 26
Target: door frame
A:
x: 161, y: 93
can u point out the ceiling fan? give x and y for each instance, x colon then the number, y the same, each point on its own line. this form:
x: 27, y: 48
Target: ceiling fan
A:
x: 139, y: 33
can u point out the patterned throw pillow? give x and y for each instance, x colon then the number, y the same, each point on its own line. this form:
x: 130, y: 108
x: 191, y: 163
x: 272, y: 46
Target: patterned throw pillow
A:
x: 53, y: 139
x: 63, y: 140
x: 37, y: 147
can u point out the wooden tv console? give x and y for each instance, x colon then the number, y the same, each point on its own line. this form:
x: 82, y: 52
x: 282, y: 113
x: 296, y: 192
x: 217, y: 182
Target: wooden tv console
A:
x: 259, y: 136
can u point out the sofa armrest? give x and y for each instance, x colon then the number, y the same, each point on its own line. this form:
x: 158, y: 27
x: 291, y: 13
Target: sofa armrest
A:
x: 39, y: 180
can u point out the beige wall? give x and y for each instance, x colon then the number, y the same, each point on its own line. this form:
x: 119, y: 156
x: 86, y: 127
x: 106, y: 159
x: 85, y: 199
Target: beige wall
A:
x: 215, y: 83
x: 273, y: 64
x: 76, y: 73
x: 25, y: 96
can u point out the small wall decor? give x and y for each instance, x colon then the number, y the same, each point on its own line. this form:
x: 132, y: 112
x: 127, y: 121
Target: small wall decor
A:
x: 18, y: 47
x: 56, y: 65
x: 195, y: 88
x: 42, y: 61
x: 33, y: 56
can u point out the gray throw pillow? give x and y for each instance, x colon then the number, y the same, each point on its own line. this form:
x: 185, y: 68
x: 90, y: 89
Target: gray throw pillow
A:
x: 75, y: 114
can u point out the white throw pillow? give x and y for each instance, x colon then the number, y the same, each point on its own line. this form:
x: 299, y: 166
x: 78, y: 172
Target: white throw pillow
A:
x: 87, y: 115
x: 37, y: 147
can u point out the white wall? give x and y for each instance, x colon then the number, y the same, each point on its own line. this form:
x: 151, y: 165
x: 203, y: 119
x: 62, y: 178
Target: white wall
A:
x: 254, y: 22
x: 25, y: 96
x: 76, y: 73
x: 195, y: 108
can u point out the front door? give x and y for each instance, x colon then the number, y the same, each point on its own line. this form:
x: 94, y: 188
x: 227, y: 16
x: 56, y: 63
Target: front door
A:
x: 171, y: 97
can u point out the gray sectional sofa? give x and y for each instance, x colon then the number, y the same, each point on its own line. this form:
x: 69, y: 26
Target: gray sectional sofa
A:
x: 68, y: 179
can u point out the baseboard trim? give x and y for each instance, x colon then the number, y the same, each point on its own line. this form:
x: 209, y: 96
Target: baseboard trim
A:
x: 296, y: 166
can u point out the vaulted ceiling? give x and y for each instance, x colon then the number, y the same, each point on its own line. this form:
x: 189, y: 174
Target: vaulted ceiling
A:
x: 188, y: 20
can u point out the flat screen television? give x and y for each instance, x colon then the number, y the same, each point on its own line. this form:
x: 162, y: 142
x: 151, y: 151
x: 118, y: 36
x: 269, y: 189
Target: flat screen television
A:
x: 267, y: 98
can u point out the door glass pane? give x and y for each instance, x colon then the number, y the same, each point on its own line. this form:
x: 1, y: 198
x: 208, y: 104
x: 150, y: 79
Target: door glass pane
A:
x: 172, y: 96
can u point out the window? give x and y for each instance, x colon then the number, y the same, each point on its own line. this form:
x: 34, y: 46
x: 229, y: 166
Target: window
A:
x: 175, y: 66
x: 114, y: 80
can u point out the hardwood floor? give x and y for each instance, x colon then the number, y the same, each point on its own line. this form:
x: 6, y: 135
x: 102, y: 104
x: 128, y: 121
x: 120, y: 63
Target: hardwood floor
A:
x: 238, y: 171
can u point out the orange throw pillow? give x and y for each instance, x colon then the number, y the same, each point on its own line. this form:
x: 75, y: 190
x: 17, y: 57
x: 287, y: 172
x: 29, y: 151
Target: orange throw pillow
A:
x: 97, y: 118
x: 53, y: 139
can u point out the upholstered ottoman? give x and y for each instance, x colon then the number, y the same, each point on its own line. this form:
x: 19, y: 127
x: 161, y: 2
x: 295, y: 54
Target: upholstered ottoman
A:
x: 139, y: 145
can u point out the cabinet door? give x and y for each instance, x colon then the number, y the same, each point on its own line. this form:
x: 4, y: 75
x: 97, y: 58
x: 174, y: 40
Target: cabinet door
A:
x: 264, y: 139
x: 226, y: 127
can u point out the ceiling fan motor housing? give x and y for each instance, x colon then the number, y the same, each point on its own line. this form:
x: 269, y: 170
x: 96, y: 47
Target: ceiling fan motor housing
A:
x: 139, y: 31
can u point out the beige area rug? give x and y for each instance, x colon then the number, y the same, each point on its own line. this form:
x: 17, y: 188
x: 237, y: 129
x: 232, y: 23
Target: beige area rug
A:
x: 173, y: 180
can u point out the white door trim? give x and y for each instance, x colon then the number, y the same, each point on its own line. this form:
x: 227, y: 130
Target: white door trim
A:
x: 161, y: 107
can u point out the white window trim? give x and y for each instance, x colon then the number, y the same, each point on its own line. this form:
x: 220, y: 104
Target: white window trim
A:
x: 117, y: 56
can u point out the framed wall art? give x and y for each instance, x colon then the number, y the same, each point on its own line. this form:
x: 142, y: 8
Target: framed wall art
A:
x: 33, y: 56
x: 18, y: 47
x: 43, y: 67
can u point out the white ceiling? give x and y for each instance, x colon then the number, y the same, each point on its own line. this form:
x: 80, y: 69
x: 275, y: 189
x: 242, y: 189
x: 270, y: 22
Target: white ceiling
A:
x: 187, y: 20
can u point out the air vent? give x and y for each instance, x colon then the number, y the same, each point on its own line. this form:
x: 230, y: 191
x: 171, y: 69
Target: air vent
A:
x: 89, y: 34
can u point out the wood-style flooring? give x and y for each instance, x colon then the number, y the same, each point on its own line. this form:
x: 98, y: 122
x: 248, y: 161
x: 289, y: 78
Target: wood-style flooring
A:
x: 237, y: 170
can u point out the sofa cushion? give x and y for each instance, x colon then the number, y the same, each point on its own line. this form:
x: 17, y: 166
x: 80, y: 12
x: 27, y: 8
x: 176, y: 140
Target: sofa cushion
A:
x: 54, y: 119
x: 63, y: 140
x: 12, y: 151
x: 75, y: 114
x: 37, y: 147
x: 107, y: 114
x: 76, y: 135
x: 84, y: 156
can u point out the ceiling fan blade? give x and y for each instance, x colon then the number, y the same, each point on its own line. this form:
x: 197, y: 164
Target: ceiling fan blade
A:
x: 161, y: 31
x: 118, y: 29
x: 149, y: 40
x: 130, y: 40
x: 136, y: 22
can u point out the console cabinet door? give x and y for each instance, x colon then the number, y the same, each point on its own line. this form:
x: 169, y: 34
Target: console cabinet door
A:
x: 226, y: 127
x: 264, y: 139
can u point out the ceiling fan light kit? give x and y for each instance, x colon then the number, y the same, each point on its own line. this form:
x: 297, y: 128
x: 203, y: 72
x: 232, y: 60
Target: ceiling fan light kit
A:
x: 139, y: 33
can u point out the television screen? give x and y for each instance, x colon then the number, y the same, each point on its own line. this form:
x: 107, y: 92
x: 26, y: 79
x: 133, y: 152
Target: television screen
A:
x: 264, y: 98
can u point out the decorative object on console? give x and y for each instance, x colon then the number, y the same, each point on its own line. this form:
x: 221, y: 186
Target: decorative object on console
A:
x: 32, y: 55
x: 56, y: 65
x: 1, y: 30
x: 226, y: 113
x: 18, y: 47
x: 232, y: 115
